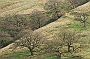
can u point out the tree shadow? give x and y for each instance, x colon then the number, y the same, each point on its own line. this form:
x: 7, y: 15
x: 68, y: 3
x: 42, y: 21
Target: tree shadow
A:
x: 75, y: 57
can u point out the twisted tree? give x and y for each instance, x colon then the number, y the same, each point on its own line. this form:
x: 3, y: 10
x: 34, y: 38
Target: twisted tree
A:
x: 31, y: 40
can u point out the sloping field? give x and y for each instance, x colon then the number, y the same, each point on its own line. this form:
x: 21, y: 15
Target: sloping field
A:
x: 66, y: 21
x: 20, y: 6
x: 50, y: 30
x: 83, y: 8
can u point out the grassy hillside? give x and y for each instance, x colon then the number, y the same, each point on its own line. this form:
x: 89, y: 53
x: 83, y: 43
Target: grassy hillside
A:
x: 67, y: 21
x: 49, y: 31
x: 20, y: 6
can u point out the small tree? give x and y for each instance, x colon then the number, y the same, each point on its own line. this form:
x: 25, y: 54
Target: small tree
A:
x: 5, y: 39
x: 82, y: 17
x: 32, y: 40
x: 75, y: 3
x: 56, y: 8
x: 38, y: 19
x: 14, y: 25
x: 54, y: 47
x: 68, y: 37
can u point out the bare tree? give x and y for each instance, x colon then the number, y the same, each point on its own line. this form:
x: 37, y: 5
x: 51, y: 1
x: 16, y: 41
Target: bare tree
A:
x: 31, y: 40
x: 75, y: 3
x: 82, y: 17
x: 38, y: 19
x: 13, y: 25
x: 5, y: 39
x: 68, y: 37
x: 56, y: 8
x: 54, y: 47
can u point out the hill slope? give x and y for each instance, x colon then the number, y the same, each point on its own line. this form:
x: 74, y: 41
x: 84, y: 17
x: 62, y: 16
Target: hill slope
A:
x: 51, y: 29
x: 65, y: 22
x: 20, y: 6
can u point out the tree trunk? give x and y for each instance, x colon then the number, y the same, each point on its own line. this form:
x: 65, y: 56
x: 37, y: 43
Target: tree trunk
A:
x: 68, y: 48
x: 39, y: 23
x: 31, y: 52
x: 59, y: 56
x: 60, y: 53
x: 84, y: 23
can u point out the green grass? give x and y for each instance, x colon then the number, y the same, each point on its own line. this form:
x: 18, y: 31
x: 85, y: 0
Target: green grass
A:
x: 76, y: 27
x: 26, y: 55
x: 16, y: 55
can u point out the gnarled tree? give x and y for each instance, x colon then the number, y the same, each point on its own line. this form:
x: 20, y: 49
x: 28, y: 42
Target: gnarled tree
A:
x: 31, y: 40
x: 75, y: 3
x: 53, y: 47
x: 56, y: 8
x: 82, y: 17
x: 68, y: 37
x: 38, y: 19
x: 5, y: 39
x: 14, y: 25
